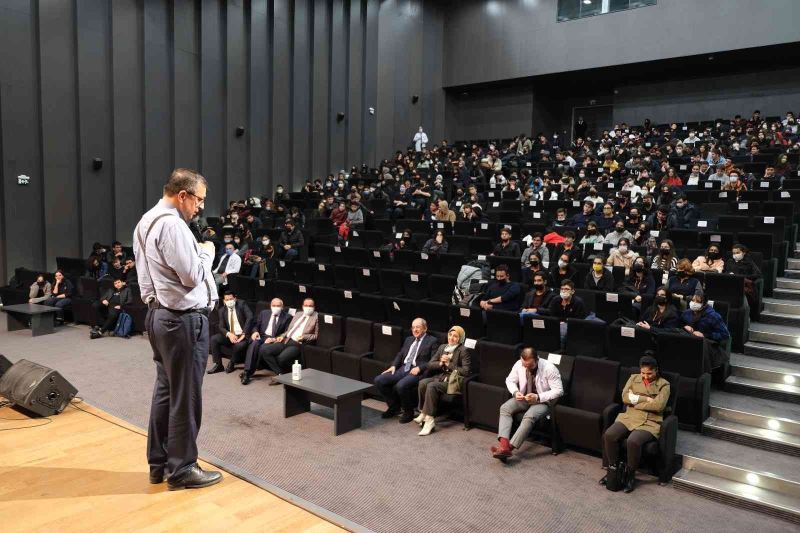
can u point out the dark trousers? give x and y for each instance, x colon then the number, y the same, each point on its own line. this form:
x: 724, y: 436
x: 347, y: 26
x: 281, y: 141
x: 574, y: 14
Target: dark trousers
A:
x: 636, y: 441
x: 252, y: 362
x: 180, y: 351
x: 430, y: 391
x: 398, y: 389
x: 106, y: 316
x: 238, y: 350
x: 60, y: 304
x: 279, y: 356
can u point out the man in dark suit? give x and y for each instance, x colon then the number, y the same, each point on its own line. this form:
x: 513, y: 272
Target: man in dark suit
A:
x: 235, y: 321
x: 398, y: 383
x: 271, y: 324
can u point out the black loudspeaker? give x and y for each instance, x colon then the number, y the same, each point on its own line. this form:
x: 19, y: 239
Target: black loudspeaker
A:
x: 5, y: 364
x: 97, y: 163
x: 36, y: 388
x: 239, y: 131
x: 339, y: 116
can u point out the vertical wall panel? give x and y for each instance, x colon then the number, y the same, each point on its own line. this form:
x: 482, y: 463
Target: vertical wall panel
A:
x: 157, y: 97
x: 301, y: 98
x: 321, y: 112
x: 260, y: 96
x: 22, y: 219
x: 128, y: 124
x: 236, y: 101
x: 369, y: 125
x: 433, y: 98
x: 385, y: 112
x: 281, y: 92
x: 338, y: 85
x: 94, y: 109
x: 212, y: 104
x: 355, y: 93
x: 59, y: 130
x: 186, y: 99
x: 412, y: 21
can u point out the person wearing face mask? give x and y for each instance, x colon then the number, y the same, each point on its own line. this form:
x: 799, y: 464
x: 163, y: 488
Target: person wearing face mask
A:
x: 566, y: 306
x: 501, y: 293
x: 701, y: 320
x: 742, y: 264
x: 735, y: 184
x: 538, y: 298
x: 506, y: 247
x: 660, y: 220
x: 230, y: 263
x: 639, y: 283
x: 599, y: 278
x: 592, y: 236
x: 40, y: 290
x: 234, y: 321
x: 536, y: 246
x: 618, y: 233
x: 303, y: 329
x: 665, y: 259
x: 710, y: 262
x: 355, y: 217
x: 436, y: 245
x: 271, y: 325
x: 622, y: 255
x: 280, y: 195
x: 563, y: 270
x: 607, y: 220
x: 645, y: 396
x: 291, y: 241
x: 683, y: 213
x: 582, y: 219
x: 682, y: 285
x: 662, y: 314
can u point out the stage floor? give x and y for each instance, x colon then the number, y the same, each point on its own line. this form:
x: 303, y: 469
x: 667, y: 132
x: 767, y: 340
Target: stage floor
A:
x: 85, y: 470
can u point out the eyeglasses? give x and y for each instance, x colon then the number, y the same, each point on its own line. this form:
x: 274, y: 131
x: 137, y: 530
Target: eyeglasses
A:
x: 200, y: 200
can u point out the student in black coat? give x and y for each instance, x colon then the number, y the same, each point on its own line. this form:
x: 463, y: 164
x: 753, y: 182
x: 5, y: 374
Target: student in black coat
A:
x: 506, y: 247
x: 271, y: 324
x: 501, y: 293
x: 108, y: 308
x: 61, y: 297
x: 538, y: 298
x: 662, y: 314
x: 235, y: 320
x: 567, y: 305
x: 598, y: 278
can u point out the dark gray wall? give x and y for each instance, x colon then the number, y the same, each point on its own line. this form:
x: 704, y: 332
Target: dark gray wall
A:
x: 489, y: 114
x: 505, y: 39
x: 773, y: 93
x: 150, y: 85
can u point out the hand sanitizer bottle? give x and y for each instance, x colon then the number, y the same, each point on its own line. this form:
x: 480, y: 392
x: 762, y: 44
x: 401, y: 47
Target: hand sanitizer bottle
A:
x: 296, y: 371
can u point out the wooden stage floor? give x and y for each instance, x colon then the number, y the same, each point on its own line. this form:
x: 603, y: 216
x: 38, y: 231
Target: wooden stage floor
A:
x: 86, y: 471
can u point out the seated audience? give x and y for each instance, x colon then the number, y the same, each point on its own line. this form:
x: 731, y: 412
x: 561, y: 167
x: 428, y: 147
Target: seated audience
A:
x: 702, y: 321
x: 355, y: 217
x: 506, y: 247
x: 230, y: 263
x: 234, y: 321
x: 622, y: 255
x: 593, y: 235
x: 270, y: 326
x: 710, y: 262
x: 61, y: 296
x: 682, y: 285
x: 562, y: 271
x: 666, y: 259
x: 303, y: 329
x: 539, y: 297
x: 598, y: 278
x: 645, y: 396
x: 108, y: 308
x: 568, y: 305
x: 741, y: 263
x: 533, y: 384
x: 40, y: 290
x: 618, y: 234
x: 639, y: 283
x: 537, y: 245
x: 398, y: 383
x: 501, y: 293
x: 444, y: 378
x: 290, y: 241
x: 662, y: 314
x: 436, y: 245
x: 568, y: 248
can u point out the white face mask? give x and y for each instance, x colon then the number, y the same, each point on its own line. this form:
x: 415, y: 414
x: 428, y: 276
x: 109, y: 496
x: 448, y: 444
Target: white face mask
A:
x: 230, y: 303
x: 277, y: 310
x: 308, y: 311
x: 738, y: 257
x: 565, y: 295
x: 562, y: 264
x: 264, y: 242
x: 695, y: 306
x: 623, y: 249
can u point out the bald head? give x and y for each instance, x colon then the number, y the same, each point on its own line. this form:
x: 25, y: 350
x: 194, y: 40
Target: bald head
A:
x: 276, y: 302
x: 419, y: 327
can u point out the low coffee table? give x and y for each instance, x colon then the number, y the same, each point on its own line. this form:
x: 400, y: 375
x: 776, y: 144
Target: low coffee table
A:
x: 343, y: 394
x: 41, y: 318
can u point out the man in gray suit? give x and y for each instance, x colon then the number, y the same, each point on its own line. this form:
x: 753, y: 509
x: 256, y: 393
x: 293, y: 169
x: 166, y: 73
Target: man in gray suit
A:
x: 303, y: 329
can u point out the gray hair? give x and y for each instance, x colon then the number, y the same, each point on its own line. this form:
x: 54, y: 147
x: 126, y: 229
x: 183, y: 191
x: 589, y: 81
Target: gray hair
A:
x: 184, y: 179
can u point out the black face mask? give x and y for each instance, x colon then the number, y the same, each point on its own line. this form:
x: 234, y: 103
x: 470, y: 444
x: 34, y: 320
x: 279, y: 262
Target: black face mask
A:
x: 713, y: 255
x: 683, y: 274
x: 664, y: 252
x: 535, y: 263
x: 591, y: 231
x: 661, y: 300
x: 539, y: 287
x: 638, y: 268
x: 620, y: 230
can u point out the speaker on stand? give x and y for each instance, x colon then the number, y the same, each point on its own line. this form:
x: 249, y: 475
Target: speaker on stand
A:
x: 35, y: 388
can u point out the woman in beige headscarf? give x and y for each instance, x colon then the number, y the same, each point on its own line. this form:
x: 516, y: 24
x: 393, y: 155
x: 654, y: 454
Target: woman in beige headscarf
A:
x: 443, y: 377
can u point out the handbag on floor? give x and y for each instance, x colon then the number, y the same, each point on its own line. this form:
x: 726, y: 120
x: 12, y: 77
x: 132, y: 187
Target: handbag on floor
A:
x: 615, y: 477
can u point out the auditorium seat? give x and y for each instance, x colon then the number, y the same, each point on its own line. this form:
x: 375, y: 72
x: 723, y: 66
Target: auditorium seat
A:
x: 331, y: 332
x: 345, y: 361
x: 686, y: 355
x: 437, y: 314
x: 387, y: 341
x: 399, y: 311
x: 503, y: 327
x: 586, y: 338
x: 371, y: 307
x: 627, y: 344
x: 367, y: 280
x: 324, y: 274
x: 487, y: 391
x: 542, y: 332
x: 392, y: 282
x: 585, y: 412
x: 470, y: 319
x: 415, y: 285
x: 344, y: 277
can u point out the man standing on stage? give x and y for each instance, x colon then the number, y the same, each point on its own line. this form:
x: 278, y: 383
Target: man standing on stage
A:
x: 176, y: 283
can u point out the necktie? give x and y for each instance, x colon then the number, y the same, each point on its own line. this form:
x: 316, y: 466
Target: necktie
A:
x: 271, y: 327
x: 230, y: 320
x: 412, y: 354
x: 530, y: 386
x: 223, y: 264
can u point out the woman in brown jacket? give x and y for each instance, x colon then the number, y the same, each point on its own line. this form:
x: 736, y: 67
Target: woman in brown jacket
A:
x: 444, y: 376
x: 645, y: 396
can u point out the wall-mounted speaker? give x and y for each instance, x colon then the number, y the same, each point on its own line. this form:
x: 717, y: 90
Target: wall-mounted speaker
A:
x: 414, y: 98
x: 97, y: 163
x: 239, y: 131
x: 36, y: 388
x: 339, y: 116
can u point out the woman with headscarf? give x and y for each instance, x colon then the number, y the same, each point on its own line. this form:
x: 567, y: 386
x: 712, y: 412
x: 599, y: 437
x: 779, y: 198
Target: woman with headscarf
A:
x: 701, y: 320
x: 444, y: 377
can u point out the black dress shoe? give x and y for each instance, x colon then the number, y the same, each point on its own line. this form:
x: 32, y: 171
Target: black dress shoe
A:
x: 230, y: 367
x: 406, y: 417
x: 630, y: 481
x: 389, y: 413
x: 193, y: 477
x: 604, y: 480
x: 247, y: 378
x: 95, y: 334
x: 156, y: 475
x: 216, y: 368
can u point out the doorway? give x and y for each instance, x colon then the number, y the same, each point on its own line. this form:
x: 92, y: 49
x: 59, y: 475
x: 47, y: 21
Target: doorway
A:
x: 597, y: 117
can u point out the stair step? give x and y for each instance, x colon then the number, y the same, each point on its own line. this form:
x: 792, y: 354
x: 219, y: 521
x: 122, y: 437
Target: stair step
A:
x: 786, y: 294
x: 793, y: 264
x: 791, y: 273
x: 786, y: 307
x: 764, y: 389
x: 786, y: 283
x: 774, y: 334
x: 772, y: 351
x: 778, y: 370
x: 783, y: 319
x: 758, y: 492
x: 757, y: 431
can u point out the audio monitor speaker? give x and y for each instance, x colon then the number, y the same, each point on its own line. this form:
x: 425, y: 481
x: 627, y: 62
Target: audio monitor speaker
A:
x: 36, y: 388
x: 5, y: 364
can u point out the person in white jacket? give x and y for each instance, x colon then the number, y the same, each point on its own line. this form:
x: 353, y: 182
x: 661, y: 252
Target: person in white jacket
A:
x: 533, y: 384
x: 420, y: 140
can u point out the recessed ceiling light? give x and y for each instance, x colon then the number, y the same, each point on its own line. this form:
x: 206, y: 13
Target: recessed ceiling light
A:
x: 587, y: 2
x: 752, y: 478
x: 789, y: 380
x: 773, y: 424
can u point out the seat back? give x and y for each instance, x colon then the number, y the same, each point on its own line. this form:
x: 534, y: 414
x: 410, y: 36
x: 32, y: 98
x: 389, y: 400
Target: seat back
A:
x: 387, y: 342
x: 503, y: 327
x: 469, y: 318
x: 331, y: 331
x: 542, y: 332
x: 358, y: 335
x: 628, y: 344
x: 682, y: 354
x: 496, y: 362
x: 594, y: 384
x: 586, y: 337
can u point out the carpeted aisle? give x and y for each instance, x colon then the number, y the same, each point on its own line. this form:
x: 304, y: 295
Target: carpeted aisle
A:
x: 383, y: 476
